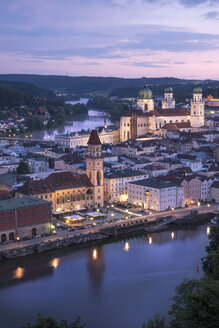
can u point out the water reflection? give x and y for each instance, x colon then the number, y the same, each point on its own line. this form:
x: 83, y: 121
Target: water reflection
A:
x: 150, y: 240
x: 172, y: 235
x: 19, y: 273
x: 55, y: 262
x: 208, y: 230
x: 28, y: 269
x: 126, y: 247
x: 87, y: 121
x: 96, y: 264
x: 94, y: 255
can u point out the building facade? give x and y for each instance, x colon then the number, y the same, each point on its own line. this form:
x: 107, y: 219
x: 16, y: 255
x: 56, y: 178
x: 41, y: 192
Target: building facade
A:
x: 21, y: 217
x: 148, y: 119
x: 115, y: 184
x: 154, y: 194
x: 78, y: 139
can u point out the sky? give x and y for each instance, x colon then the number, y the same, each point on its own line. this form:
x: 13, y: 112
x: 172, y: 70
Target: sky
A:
x: 122, y: 38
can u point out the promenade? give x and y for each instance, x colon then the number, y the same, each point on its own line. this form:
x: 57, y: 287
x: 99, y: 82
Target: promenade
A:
x: 103, y: 225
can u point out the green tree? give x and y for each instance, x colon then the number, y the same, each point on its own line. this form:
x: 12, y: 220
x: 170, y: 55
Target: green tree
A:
x: 23, y: 168
x: 49, y: 322
x: 156, y: 322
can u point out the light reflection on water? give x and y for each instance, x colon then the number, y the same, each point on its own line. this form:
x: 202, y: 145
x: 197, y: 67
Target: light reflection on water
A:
x: 101, y: 282
x: 19, y: 273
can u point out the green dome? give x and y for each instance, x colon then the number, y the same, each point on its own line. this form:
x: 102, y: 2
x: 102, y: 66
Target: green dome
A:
x: 197, y: 90
x: 169, y: 90
x: 145, y: 93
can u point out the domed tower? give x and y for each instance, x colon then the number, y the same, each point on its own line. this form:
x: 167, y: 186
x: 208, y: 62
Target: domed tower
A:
x: 197, y: 109
x: 168, y: 101
x: 145, y: 100
x: 94, y: 168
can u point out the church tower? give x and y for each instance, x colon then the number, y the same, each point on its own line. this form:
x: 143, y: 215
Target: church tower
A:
x: 197, y: 109
x: 94, y: 168
x: 145, y: 100
x: 168, y: 101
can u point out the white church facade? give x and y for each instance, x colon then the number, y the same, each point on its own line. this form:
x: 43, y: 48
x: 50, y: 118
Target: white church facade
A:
x: 148, y: 119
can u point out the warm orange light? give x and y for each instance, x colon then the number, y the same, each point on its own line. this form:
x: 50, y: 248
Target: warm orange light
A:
x: 208, y: 230
x: 19, y: 273
x: 126, y: 247
x: 94, y: 255
x: 54, y: 263
x: 150, y: 240
x: 172, y: 235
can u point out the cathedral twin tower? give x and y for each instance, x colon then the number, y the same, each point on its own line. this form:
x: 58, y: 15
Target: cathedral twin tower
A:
x: 150, y: 119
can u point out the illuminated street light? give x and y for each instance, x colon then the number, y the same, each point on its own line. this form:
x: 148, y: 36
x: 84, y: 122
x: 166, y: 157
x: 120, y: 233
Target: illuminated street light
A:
x: 208, y: 205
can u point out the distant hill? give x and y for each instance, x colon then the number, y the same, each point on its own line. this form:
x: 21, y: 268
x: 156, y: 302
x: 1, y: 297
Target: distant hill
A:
x: 181, y: 90
x: 27, y: 87
x: 19, y: 93
x: 84, y: 84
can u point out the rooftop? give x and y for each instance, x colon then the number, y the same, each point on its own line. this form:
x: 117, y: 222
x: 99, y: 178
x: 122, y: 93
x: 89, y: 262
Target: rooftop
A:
x: 94, y: 138
x: 116, y: 174
x: 154, y: 183
x: 15, y: 203
x: 55, y: 181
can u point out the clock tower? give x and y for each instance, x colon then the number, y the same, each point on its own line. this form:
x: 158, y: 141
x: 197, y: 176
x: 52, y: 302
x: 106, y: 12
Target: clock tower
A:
x: 94, y: 168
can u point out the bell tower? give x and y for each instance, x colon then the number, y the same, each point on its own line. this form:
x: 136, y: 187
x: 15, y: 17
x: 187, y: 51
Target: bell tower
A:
x: 197, y: 109
x: 168, y: 100
x: 94, y: 168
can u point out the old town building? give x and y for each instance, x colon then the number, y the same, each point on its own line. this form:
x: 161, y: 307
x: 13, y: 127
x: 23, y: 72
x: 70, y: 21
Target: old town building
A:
x: 21, y: 217
x: 148, y: 119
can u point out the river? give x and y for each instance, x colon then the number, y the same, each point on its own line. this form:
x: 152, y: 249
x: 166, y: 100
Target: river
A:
x: 114, y: 285
x: 87, y: 121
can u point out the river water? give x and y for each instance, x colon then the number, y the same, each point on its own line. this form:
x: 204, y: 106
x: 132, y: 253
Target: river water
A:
x: 114, y: 285
x: 87, y: 121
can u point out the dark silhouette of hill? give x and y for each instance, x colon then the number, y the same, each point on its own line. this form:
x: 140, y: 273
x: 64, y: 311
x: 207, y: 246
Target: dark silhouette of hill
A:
x: 85, y: 84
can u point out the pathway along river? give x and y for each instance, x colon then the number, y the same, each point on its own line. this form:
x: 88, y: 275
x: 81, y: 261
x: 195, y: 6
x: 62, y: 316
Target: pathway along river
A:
x: 113, y: 285
x: 87, y: 121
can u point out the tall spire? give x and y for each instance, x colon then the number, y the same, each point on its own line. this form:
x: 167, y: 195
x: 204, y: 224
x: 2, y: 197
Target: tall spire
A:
x: 94, y: 138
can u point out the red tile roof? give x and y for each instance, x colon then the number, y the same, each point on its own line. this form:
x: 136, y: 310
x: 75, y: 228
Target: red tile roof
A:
x: 170, y: 112
x: 55, y: 181
x: 94, y: 138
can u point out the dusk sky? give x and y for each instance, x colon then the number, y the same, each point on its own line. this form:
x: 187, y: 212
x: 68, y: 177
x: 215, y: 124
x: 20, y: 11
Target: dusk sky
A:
x: 124, y: 38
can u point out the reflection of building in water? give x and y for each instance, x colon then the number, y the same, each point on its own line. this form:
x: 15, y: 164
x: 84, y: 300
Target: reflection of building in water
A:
x: 174, y: 234
x: 96, y: 264
x: 12, y: 274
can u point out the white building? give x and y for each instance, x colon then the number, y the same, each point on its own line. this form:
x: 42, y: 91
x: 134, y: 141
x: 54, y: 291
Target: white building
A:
x: 115, y: 184
x: 168, y: 101
x: 145, y: 100
x: 155, y: 194
x: 147, y: 119
x: 77, y: 139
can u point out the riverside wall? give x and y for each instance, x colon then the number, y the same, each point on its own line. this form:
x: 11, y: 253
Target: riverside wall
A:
x: 102, y: 234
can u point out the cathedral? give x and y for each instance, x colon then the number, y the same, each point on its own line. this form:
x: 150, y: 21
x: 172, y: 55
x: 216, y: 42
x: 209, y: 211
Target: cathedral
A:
x: 146, y: 118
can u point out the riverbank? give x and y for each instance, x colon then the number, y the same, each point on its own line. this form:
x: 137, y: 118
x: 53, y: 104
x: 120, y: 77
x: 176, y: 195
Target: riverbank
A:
x: 86, y: 237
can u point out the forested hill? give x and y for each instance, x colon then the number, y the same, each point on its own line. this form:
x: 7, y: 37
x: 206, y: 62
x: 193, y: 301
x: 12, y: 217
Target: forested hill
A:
x: 18, y: 94
x: 27, y: 87
x: 83, y: 84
